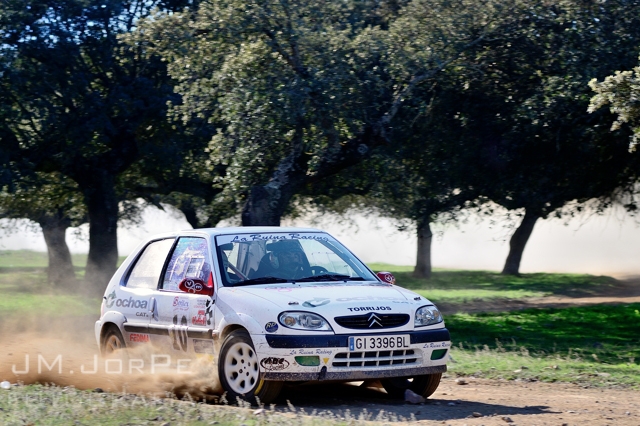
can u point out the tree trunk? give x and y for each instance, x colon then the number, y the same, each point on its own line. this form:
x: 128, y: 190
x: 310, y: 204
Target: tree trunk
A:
x: 423, y: 261
x: 518, y: 242
x: 102, y: 208
x: 60, y: 271
x: 190, y: 214
x: 267, y: 203
x: 262, y: 207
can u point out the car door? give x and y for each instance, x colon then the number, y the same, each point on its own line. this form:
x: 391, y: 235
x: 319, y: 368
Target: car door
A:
x: 186, y: 317
x: 135, y: 298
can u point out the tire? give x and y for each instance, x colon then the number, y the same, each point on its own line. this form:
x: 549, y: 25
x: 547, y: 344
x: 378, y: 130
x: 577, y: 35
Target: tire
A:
x: 113, y: 343
x: 239, y: 371
x: 422, y: 385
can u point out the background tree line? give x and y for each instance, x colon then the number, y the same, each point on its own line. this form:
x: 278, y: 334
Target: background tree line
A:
x: 417, y: 110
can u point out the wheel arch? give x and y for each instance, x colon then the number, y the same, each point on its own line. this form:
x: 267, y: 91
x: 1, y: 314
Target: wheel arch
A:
x: 231, y: 328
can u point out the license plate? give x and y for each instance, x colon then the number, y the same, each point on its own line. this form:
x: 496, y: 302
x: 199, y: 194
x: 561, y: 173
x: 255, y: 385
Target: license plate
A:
x: 374, y: 343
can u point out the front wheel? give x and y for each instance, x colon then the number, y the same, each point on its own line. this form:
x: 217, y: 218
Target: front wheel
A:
x: 239, y: 371
x: 422, y: 385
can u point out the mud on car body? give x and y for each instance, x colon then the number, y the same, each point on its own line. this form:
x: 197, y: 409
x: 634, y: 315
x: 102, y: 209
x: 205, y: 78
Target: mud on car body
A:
x: 271, y: 305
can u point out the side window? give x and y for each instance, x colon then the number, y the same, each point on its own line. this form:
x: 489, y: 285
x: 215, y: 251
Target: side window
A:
x: 146, y: 272
x: 190, y: 259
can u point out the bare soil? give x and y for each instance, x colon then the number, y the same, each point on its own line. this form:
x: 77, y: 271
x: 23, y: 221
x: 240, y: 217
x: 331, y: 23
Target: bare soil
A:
x: 478, y: 402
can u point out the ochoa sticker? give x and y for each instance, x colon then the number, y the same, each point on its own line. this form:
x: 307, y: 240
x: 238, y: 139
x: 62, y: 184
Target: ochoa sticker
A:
x: 271, y: 327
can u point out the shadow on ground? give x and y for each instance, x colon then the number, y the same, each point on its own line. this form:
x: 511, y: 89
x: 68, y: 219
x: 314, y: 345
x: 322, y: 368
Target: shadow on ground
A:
x: 348, y: 401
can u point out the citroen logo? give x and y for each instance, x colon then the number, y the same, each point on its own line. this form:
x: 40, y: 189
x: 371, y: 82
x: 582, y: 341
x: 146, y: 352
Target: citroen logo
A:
x: 374, y: 320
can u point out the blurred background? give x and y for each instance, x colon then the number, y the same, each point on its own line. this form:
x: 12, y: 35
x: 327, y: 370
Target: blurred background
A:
x: 607, y: 245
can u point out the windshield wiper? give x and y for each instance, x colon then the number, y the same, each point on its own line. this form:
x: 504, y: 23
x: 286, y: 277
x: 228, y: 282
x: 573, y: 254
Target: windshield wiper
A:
x: 330, y: 277
x: 262, y: 280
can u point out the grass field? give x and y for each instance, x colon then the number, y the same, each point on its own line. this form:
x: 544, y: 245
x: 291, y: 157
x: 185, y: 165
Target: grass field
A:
x: 23, y: 286
x: 53, y: 406
x: 455, y: 286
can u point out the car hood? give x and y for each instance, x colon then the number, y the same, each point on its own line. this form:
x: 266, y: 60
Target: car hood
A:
x: 340, y: 298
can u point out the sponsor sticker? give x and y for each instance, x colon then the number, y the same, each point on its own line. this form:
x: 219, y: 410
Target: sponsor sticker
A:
x: 370, y: 308
x: 271, y: 327
x: 247, y: 238
x: 200, y: 318
x: 180, y: 304
x: 138, y: 337
x: 112, y: 300
x: 436, y: 345
x: 131, y: 303
x: 315, y: 302
x: 274, y: 364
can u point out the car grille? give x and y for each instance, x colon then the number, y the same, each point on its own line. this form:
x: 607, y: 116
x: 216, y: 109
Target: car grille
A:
x: 372, y: 321
x: 375, y: 358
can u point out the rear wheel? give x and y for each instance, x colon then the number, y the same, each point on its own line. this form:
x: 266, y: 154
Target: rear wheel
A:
x: 112, y: 342
x: 422, y: 385
x: 239, y: 371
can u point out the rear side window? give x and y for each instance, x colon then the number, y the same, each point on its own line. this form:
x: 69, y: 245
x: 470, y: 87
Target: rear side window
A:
x: 147, y: 270
x: 190, y: 259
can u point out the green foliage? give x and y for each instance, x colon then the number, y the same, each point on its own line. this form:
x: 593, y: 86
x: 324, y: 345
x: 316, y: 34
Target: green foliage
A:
x: 40, y: 197
x: 299, y: 91
x: 621, y: 92
x: 82, y: 103
x: 547, y: 150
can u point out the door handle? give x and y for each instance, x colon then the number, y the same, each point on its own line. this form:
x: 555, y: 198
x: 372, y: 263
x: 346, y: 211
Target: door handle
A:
x: 153, y: 308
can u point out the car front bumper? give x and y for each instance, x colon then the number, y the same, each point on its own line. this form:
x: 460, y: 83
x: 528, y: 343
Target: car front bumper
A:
x: 286, y: 357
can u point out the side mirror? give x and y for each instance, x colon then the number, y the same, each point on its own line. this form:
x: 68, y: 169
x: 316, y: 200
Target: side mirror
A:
x: 196, y: 286
x: 386, y: 277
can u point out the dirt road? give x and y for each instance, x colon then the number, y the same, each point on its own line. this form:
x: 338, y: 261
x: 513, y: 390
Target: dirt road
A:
x: 479, y: 402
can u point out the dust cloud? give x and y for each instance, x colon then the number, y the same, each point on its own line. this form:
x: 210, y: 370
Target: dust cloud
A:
x: 63, y: 351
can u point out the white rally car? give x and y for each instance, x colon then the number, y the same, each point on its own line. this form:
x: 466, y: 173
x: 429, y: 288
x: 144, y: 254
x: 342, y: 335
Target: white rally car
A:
x: 272, y: 305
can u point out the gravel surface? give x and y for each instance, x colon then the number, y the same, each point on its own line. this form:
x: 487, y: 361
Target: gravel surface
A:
x: 479, y: 402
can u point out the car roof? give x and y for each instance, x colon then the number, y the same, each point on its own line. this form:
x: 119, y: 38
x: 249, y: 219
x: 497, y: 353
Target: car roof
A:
x: 253, y: 229
x: 237, y: 230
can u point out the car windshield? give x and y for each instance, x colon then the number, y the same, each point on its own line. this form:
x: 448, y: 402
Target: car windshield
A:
x: 269, y: 258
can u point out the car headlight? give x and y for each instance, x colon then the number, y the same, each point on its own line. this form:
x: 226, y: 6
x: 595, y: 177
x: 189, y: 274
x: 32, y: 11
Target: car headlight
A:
x: 427, y: 315
x: 304, y: 321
